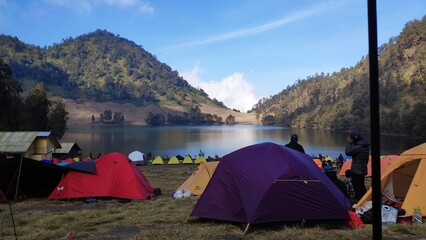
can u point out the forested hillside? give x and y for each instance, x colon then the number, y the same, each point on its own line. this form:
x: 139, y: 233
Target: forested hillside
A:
x: 100, y: 66
x: 341, y: 100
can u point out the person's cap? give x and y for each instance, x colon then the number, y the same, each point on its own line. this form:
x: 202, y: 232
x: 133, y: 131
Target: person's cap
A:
x: 354, y: 135
x: 294, y: 137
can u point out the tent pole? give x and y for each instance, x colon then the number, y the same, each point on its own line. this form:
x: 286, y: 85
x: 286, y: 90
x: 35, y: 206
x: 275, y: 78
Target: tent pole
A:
x: 374, y: 118
x: 19, y: 177
x: 247, y: 228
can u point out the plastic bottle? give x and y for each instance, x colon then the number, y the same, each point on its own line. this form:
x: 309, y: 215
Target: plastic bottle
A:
x: 417, y: 215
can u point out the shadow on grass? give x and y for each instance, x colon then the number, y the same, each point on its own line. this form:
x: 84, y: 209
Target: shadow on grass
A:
x: 276, y: 226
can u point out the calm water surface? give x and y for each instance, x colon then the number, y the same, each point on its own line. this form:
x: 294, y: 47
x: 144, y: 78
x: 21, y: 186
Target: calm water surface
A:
x: 213, y: 140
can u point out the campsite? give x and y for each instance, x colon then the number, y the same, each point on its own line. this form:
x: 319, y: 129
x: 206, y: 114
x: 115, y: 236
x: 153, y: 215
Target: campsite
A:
x: 162, y: 217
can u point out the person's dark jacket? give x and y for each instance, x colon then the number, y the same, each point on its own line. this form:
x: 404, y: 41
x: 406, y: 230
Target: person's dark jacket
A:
x: 360, y: 151
x: 295, y: 146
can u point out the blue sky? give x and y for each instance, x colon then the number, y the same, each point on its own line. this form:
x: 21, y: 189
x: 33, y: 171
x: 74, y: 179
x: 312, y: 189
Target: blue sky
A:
x: 238, y: 51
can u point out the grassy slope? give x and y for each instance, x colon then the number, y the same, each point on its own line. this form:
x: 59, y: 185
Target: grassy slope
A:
x: 80, y: 112
x: 162, y: 218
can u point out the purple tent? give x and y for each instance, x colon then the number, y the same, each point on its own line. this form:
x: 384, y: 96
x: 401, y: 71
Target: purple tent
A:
x: 268, y: 182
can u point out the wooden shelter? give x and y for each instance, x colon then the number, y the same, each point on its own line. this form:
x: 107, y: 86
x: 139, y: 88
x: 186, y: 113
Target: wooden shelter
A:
x: 68, y: 150
x: 36, y: 145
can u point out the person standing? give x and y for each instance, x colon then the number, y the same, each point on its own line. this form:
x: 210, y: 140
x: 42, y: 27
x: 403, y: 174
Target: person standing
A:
x: 340, y: 160
x: 293, y: 143
x: 359, y: 150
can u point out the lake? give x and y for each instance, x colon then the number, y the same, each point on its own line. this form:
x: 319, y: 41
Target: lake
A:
x: 213, y: 140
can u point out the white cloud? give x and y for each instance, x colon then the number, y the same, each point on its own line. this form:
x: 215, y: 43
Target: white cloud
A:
x: 254, y: 30
x: 86, y: 5
x: 81, y: 6
x: 146, y: 7
x: 234, y: 91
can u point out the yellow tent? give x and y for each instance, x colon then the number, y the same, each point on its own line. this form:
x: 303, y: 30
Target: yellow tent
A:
x: 199, y: 160
x: 173, y: 160
x: 187, y: 160
x: 158, y: 161
x: 198, y: 181
x: 404, y: 180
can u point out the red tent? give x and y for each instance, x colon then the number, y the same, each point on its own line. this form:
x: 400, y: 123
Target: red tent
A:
x: 115, y: 176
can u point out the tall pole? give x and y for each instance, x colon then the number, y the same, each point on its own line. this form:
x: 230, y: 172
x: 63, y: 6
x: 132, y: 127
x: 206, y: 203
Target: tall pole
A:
x: 19, y: 176
x: 375, y: 119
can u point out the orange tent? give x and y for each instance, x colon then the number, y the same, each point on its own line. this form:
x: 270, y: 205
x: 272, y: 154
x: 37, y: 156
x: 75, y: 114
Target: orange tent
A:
x: 198, y: 181
x: 405, y: 180
x: 384, y: 163
x: 318, y: 162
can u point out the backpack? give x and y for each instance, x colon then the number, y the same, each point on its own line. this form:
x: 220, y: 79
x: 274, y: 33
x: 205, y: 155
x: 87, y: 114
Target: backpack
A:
x: 354, y: 221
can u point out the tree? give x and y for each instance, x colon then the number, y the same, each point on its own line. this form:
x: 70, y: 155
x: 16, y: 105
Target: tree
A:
x: 268, y: 120
x: 155, y: 119
x: 413, y: 121
x: 58, y: 118
x: 37, y: 109
x: 10, y: 101
x: 230, y: 120
x: 107, y: 116
x: 118, y: 118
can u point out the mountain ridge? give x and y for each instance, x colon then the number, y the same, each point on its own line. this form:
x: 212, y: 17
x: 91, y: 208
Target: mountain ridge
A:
x: 340, y: 100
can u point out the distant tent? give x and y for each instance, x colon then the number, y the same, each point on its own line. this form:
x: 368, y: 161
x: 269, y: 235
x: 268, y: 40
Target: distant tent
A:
x: 348, y: 164
x: 158, y: 161
x: 56, y: 160
x: 187, y: 160
x: 199, y: 159
x: 318, y: 162
x: 137, y: 157
x: 405, y: 180
x: 384, y: 163
x: 116, y: 177
x: 47, y: 161
x: 198, y: 181
x: 268, y: 182
x: 173, y: 160
x: 69, y: 160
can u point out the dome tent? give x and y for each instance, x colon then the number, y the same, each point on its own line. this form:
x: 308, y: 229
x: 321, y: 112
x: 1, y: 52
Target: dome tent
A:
x: 115, y: 176
x: 268, y: 182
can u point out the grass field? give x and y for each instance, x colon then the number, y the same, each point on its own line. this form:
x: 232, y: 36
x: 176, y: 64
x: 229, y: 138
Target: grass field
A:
x: 162, y: 218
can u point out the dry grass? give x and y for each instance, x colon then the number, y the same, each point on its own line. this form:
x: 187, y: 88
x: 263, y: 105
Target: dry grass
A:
x: 162, y: 218
x: 80, y: 112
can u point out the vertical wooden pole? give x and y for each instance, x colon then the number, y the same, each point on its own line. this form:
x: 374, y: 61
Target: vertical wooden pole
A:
x: 375, y: 119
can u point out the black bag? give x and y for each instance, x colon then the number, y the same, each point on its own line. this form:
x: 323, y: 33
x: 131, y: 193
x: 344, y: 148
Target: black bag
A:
x: 401, y: 211
x: 157, y: 191
x: 367, y: 217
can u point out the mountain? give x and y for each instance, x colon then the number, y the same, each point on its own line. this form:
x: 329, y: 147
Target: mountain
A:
x: 341, y: 100
x: 101, y: 67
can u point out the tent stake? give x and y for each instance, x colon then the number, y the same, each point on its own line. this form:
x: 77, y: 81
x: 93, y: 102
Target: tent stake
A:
x: 247, y: 228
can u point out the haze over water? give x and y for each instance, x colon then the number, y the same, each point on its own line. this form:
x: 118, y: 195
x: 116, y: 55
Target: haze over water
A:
x: 213, y: 140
